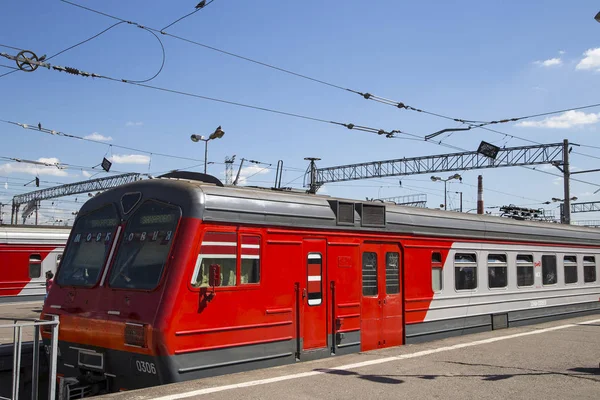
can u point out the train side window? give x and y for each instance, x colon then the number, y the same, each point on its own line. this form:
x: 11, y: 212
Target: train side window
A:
x: 392, y: 273
x: 250, y: 269
x: 465, y: 271
x: 314, y: 267
x: 589, y: 269
x: 497, y: 271
x: 524, y: 270
x: 35, y: 266
x: 216, y: 248
x: 436, y: 272
x: 570, y: 265
x: 549, y: 270
x: 369, y: 274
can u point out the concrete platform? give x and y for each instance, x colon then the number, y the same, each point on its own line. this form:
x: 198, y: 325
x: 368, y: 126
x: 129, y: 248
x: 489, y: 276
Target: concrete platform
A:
x: 20, y: 310
x: 556, y: 360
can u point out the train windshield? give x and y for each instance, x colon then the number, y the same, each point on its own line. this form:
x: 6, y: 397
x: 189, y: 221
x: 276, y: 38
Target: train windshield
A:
x: 89, y: 244
x: 145, y: 246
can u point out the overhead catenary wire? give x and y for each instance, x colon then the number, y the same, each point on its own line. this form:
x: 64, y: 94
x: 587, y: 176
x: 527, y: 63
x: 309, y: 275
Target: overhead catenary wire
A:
x: 366, y: 95
x: 42, y: 129
x: 75, y: 71
x: 94, y: 37
x: 201, y: 5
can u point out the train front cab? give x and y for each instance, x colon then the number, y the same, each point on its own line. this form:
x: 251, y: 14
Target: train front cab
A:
x: 109, y: 292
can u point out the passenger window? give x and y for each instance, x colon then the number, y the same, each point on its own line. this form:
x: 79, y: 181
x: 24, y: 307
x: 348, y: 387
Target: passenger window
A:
x: 589, y: 269
x: 436, y: 272
x: 250, y: 272
x: 58, y: 258
x: 369, y: 274
x: 392, y: 273
x: 497, y: 271
x: 314, y: 285
x: 524, y: 270
x: 465, y: 271
x: 570, y: 265
x: 217, y: 248
x: 35, y: 266
x: 549, y: 270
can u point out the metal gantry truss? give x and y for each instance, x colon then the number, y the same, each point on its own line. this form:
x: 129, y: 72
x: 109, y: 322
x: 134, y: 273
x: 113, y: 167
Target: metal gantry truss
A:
x: 93, y: 185
x: 507, y: 157
x: 411, y: 200
x: 556, y: 154
x: 588, y: 206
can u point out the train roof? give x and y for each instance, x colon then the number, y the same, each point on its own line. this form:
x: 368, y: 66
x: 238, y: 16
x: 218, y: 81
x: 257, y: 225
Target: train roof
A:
x: 32, y: 234
x: 280, y: 208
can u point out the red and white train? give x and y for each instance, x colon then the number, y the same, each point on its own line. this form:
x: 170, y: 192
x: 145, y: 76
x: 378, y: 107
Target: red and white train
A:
x: 296, y: 277
x: 26, y: 253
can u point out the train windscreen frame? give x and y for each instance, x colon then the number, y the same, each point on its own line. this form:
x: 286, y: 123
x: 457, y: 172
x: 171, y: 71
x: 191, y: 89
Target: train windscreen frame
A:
x: 144, y: 247
x: 88, y: 247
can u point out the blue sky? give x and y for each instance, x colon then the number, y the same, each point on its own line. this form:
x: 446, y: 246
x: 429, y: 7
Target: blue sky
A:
x: 467, y: 59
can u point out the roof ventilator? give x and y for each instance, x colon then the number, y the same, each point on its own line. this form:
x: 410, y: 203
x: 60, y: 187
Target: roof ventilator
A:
x: 344, y: 212
x: 372, y: 215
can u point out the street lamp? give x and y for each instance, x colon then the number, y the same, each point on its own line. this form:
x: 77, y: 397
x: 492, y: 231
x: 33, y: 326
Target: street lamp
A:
x: 597, y: 17
x: 217, y: 134
x: 561, y: 200
x: 437, y: 178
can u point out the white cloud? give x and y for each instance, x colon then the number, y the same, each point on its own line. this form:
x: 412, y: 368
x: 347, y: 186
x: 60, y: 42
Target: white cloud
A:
x: 130, y: 159
x: 565, y: 120
x: 561, y: 52
x: 86, y: 174
x: 32, y: 169
x: 550, y: 62
x: 99, y: 137
x: 251, y: 172
x: 131, y: 123
x: 557, y: 181
x: 591, y: 60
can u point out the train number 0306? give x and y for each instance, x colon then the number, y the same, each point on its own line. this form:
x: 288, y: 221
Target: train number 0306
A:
x: 146, y: 367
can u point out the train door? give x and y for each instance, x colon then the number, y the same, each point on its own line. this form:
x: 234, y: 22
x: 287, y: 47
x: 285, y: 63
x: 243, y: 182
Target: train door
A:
x: 382, y: 323
x: 314, y: 320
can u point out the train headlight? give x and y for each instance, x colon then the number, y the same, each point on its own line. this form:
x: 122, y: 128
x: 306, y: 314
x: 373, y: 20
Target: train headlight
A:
x: 135, y: 335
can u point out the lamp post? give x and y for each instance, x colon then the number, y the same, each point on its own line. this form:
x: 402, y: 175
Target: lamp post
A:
x: 461, y: 200
x: 437, y: 178
x: 217, y: 134
x: 563, y: 219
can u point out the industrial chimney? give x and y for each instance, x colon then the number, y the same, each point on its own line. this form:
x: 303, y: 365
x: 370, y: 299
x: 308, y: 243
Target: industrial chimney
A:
x: 480, y: 194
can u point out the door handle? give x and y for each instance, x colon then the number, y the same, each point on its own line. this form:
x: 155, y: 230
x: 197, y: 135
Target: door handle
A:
x: 304, y: 293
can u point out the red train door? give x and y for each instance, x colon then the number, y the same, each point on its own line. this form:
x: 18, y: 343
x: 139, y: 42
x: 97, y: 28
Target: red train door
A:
x: 392, y: 329
x: 314, y: 321
x: 382, y: 323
